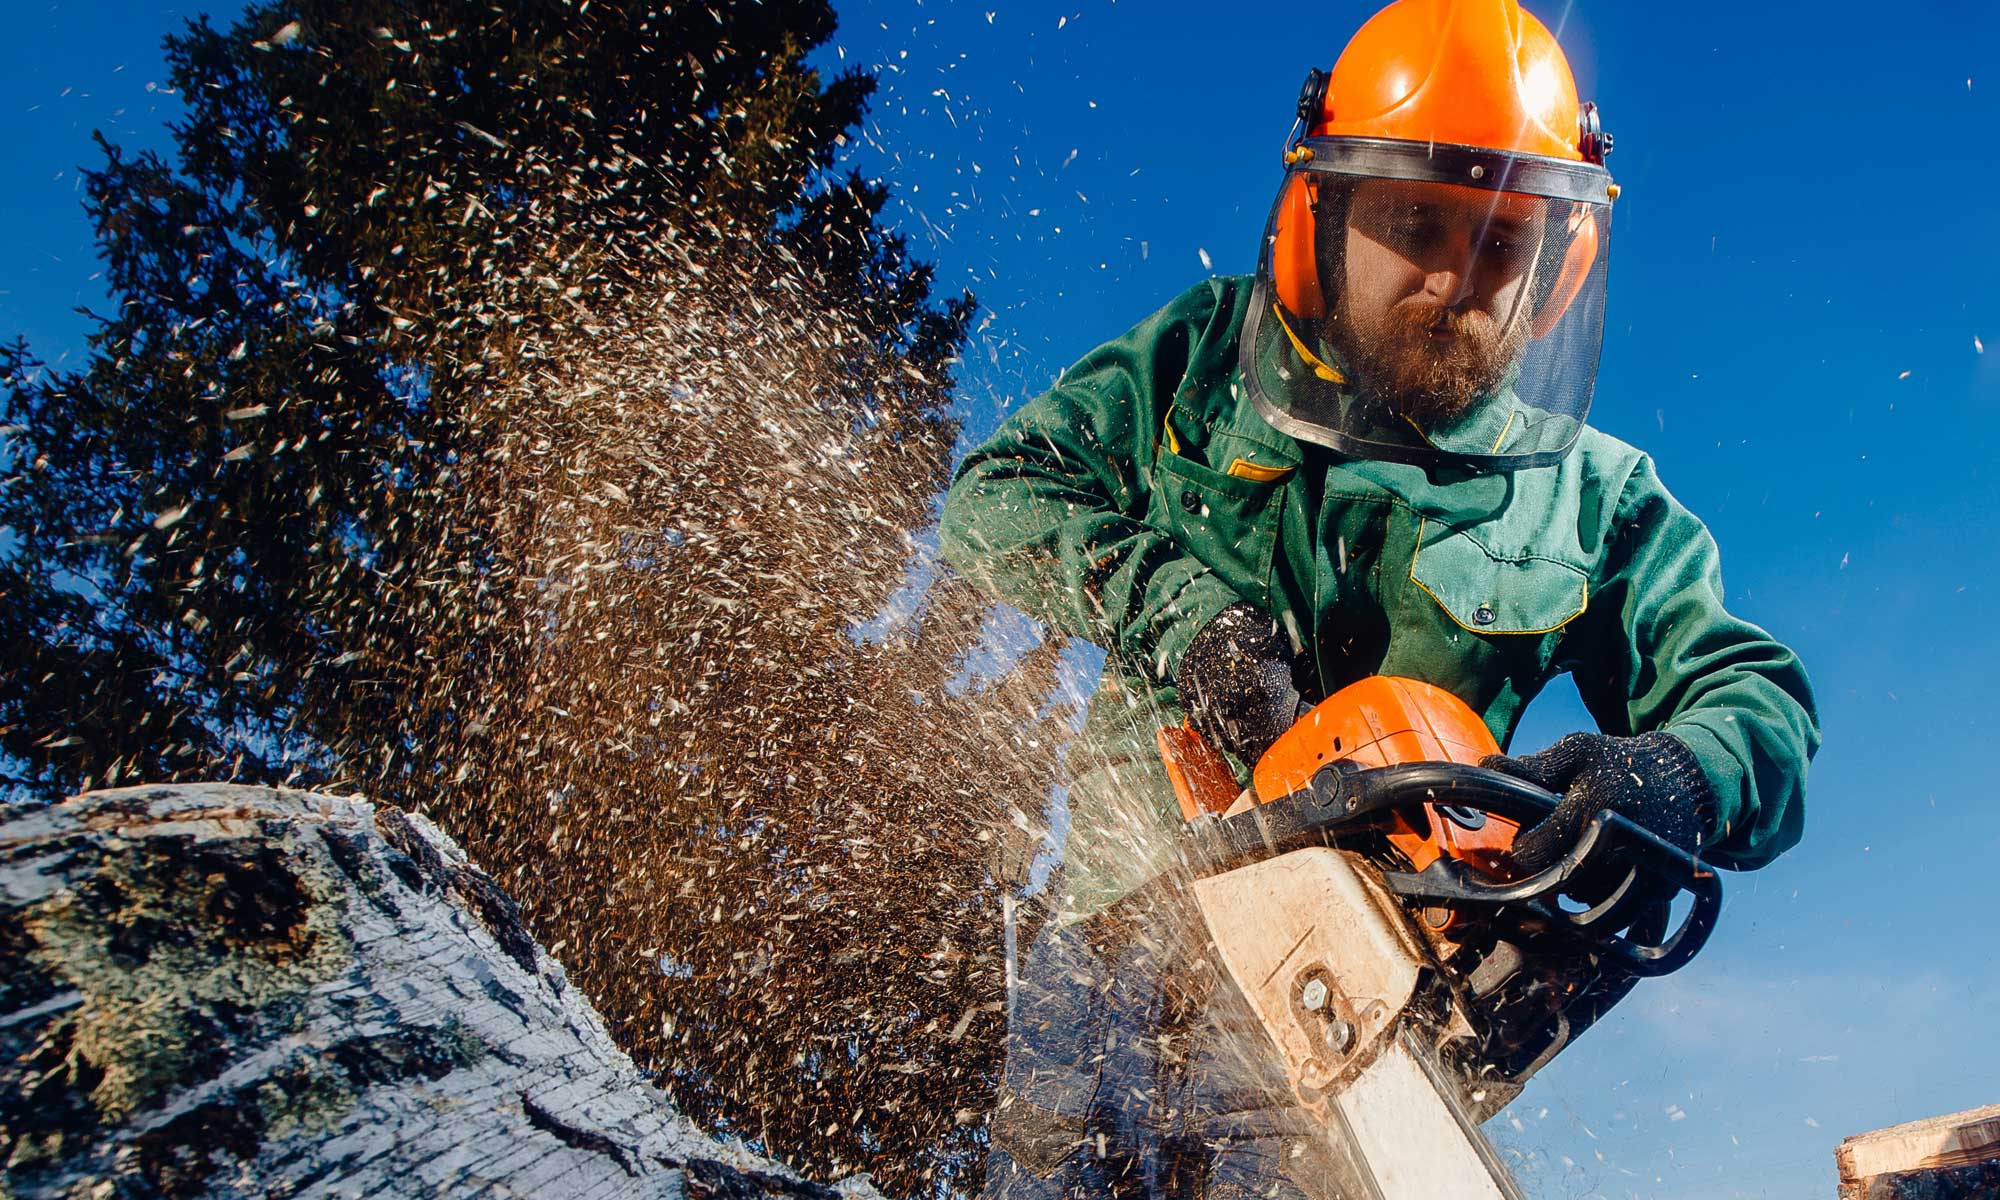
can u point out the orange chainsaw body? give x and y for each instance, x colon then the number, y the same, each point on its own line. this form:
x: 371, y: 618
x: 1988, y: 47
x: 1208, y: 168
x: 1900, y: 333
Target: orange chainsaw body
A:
x: 1377, y: 722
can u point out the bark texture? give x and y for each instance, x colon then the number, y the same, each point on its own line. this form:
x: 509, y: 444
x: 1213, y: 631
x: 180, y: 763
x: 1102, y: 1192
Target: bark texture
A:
x: 212, y: 990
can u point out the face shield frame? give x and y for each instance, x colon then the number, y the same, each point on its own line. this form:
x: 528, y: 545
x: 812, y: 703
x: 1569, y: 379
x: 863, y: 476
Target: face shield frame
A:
x: 1293, y: 287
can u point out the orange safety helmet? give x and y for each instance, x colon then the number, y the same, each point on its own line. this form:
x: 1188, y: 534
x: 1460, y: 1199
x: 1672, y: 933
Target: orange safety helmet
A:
x: 1461, y: 93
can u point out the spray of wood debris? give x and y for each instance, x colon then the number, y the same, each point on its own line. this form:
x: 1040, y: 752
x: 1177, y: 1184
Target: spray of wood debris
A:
x: 764, y: 844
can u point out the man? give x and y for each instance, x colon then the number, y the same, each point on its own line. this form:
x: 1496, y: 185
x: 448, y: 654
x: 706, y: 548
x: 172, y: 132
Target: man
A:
x: 1369, y: 459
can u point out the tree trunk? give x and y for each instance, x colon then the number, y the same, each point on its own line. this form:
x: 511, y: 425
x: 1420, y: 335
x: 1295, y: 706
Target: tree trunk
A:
x: 236, y: 991
x: 1955, y: 1157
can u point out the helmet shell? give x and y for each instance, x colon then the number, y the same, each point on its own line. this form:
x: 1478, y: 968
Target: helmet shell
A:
x: 1480, y: 73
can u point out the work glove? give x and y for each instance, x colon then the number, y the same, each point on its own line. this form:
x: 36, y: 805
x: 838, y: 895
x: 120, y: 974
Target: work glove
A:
x: 1652, y: 779
x: 1237, y: 682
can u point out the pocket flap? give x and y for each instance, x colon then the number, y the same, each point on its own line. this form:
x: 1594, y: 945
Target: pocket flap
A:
x: 1177, y: 471
x: 1487, y: 593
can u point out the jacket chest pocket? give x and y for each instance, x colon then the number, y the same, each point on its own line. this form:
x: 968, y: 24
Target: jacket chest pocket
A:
x: 1515, y: 603
x: 1229, y: 522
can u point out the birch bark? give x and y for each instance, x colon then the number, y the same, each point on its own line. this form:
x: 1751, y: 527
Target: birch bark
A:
x: 225, y: 991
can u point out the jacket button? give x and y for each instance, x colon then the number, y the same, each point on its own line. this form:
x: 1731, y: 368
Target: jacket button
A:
x: 1484, y: 615
x: 1190, y: 501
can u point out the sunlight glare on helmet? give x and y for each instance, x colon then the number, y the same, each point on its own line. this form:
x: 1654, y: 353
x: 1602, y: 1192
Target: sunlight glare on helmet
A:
x: 1540, y: 87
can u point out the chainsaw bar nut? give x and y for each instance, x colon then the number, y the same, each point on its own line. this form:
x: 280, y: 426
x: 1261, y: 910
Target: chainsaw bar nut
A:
x: 1316, y: 998
x: 1339, y: 1034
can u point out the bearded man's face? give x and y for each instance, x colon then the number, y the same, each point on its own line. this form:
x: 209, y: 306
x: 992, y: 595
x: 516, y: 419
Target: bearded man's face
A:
x: 1435, y: 304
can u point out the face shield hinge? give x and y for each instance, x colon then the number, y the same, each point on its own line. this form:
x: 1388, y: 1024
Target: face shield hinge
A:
x: 1312, y: 105
x: 1591, y: 137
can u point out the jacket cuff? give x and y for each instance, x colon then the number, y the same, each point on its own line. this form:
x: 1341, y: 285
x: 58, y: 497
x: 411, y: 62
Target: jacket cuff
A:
x: 1725, y: 780
x: 1199, y: 601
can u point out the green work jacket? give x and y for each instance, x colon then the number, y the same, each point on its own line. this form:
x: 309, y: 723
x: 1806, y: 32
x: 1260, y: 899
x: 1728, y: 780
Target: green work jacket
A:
x: 1142, y: 494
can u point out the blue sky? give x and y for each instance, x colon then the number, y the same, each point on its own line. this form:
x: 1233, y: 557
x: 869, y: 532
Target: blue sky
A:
x: 1805, y: 266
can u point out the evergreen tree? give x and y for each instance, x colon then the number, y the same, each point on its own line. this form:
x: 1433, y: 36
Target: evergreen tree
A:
x: 509, y: 413
x: 378, y: 210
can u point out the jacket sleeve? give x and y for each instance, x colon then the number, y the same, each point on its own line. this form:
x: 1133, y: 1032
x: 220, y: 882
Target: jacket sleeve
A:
x: 1659, y: 651
x: 1049, y: 515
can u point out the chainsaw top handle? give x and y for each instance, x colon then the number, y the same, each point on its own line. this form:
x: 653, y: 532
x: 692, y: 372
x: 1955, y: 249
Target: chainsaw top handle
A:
x: 1343, y: 801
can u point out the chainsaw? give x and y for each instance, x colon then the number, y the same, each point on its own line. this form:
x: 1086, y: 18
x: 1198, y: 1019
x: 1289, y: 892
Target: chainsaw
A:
x: 1361, y: 895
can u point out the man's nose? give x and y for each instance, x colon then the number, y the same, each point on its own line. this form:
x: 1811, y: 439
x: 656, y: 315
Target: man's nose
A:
x: 1448, y: 285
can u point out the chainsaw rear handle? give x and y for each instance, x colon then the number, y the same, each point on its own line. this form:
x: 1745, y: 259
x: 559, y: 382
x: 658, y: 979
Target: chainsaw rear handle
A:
x: 1343, y: 801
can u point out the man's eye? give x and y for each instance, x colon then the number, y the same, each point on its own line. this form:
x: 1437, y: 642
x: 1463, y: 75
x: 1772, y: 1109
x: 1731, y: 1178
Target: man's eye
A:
x: 1415, y: 229
x: 1510, y: 247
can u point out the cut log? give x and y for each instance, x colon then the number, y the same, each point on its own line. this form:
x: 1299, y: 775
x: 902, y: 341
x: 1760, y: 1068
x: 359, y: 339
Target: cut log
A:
x: 234, y: 991
x: 1943, y: 1158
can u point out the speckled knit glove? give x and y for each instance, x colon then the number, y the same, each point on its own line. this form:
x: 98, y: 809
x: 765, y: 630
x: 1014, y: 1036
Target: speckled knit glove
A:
x: 1236, y: 680
x: 1653, y: 779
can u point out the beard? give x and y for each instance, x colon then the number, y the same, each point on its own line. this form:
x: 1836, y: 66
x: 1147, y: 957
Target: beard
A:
x: 1427, y: 362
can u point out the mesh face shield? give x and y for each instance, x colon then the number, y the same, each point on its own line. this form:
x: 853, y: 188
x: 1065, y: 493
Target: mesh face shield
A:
x: 1430, y: 304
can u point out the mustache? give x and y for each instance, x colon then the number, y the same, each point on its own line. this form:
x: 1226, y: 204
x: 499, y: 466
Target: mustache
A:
x: 1428, y: 316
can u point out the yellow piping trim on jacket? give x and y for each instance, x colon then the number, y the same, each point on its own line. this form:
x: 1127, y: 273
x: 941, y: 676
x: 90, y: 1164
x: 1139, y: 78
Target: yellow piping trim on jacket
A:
x: 1493, y: 449
x: 1173, y: 443
x: 1319, y: 368
x: 1581, y: 609
x: 1243, y: 468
